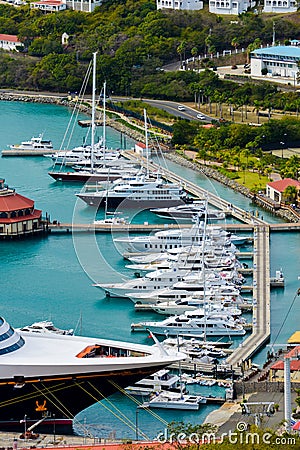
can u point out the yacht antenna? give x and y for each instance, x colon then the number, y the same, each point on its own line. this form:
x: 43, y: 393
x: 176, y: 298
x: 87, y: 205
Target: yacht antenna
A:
x: 146, y: 142
x: 203, y: 265
x: 104, y: 119
x: 93, y: 111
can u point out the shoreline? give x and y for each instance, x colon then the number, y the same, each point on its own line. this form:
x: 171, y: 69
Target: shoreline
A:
x: 62, y: 100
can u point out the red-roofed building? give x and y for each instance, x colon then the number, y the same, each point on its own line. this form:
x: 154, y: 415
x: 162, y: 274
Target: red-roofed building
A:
x: 17, y: 214
x: 49, y: 6
x: 277, y: 369
x: 275, y: 189
x: 10, y: 42
x: 140, y: 148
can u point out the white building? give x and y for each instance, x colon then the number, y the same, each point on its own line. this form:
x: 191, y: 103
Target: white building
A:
x: 275, y: 189
x: 10, y: 42
x: 49, y: 6
x: 191, y: 5
x: 83, y: 5
x: 280, y: 6
x: 279, y: 61
x: 233, y: 7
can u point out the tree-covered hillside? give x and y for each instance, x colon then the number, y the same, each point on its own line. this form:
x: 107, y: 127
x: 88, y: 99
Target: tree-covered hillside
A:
x: 133, y: 41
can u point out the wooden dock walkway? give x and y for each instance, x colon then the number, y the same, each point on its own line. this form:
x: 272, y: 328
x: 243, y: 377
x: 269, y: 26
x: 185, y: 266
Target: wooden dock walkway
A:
x: 261, y: 300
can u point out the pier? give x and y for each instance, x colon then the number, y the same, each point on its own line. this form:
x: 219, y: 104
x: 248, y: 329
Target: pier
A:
x: 261, y: 300
x: 15, y: 152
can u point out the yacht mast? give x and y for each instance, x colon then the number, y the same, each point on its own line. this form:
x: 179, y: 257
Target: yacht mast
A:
x: 146, y: 142
x: 104, y: 119
x: 93, y: 111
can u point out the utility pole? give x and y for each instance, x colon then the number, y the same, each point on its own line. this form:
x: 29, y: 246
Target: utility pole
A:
x: 273, y: 41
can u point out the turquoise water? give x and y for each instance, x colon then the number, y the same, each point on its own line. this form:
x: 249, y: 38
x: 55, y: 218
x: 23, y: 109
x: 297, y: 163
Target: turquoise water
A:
x: 52, y: 278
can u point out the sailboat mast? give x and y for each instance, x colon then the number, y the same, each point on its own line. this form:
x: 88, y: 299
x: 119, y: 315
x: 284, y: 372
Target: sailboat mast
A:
x: 146, y: 142
x: 203, y: 267
x: 104, y: 119
x: 93, y: 111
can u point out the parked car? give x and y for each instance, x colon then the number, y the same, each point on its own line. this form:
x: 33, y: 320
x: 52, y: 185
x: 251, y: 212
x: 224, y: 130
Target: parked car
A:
x: 181, y: 108
x: 234, y: 66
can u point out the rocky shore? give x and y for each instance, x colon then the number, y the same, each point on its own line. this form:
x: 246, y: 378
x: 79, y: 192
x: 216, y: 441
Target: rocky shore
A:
x: 136, y: 134
x: 210, y: 172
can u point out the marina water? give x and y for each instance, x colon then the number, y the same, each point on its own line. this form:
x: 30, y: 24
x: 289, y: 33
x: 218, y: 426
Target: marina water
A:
x: 52, y: 277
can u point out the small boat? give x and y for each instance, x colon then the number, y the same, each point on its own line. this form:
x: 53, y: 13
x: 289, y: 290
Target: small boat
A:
x: 162, y: 379
x: 188, y: 212
x: 173, y: 400
x: 278, y: 280
x: 112, y: 221
x: 35, y: 144
x: 46, y: 326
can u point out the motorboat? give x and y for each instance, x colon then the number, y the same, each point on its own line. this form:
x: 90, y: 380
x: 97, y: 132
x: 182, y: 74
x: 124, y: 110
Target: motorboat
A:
x: 157, y: 279
x: 181, y: 306
x: 173, y: 400
x: 161, y: 380
x: 177, y: 292
x: 210, y: 325
x: 189, y: 212
x: 49, y: 377
x: 165, y: 240
x: 38, y: 144
x: 46, y: 326
x: 142, y: 191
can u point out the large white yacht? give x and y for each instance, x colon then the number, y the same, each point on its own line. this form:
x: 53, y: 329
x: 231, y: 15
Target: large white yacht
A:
x: 38, y: 144
x: 49, y: 378
x: 165, y: 240
x: 210, y: 325
x: 140, y: 191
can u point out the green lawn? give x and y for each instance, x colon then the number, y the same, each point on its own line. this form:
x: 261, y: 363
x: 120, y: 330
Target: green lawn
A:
x: 252, y: 180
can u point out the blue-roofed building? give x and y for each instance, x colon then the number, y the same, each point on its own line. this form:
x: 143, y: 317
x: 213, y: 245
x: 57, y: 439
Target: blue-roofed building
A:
x: 280, y: 6
x: 280, y: 61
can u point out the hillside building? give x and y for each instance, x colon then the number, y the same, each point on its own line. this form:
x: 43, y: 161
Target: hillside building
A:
x: 10, y: 42
x: 232, y: 7
x: 280, y: 61
x: 279, y: 6
x: 190, y: 5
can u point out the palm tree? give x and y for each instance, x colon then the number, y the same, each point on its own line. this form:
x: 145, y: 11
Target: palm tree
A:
x: 194, y: 53
x: 290, y: 194
x: 181, y: 51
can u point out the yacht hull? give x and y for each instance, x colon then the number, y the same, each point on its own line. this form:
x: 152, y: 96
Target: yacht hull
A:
x: 59, y: 397
x: 127, y: 202
x: 82, y: 177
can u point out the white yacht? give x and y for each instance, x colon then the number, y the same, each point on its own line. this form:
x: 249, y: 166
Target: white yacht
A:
x: 189, y: 212
x: 154, y: 280
x: 177, y: 292
x: 210, y: 325
x: 141, y: 191
x: 162, y: 379
x: 163, y: 241
x: 46, y: 326
x: 34, y: 144
x: 173, y: 400
x: 189, y: 304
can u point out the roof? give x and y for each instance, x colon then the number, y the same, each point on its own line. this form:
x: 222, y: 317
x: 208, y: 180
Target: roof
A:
x: 281, y: 50
x: 140, y: 144
x: 294, y: 364
x: 281, y: 185
x: 35, y: 215
x: 49, y: 2
x: 9, y: 38
x: 14, y: 202
x: 295, y: 338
